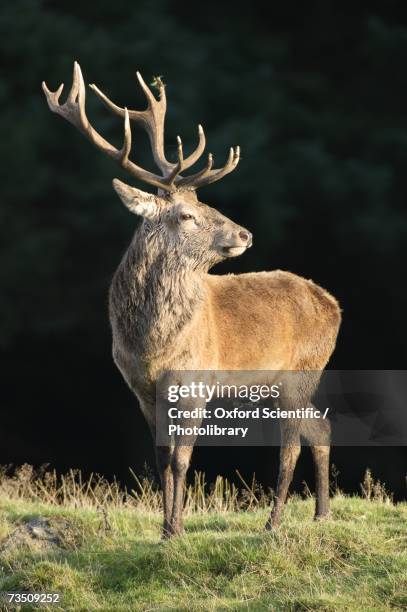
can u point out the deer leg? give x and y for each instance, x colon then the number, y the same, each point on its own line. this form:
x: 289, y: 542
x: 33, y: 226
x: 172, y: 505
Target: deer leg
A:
x: 163, y: 458
x: 180, y: 464
x: 289, y: 453
x: 321, y: 460
x: 318, y: 434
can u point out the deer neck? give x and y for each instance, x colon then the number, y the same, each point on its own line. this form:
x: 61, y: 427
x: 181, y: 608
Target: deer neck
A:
x: 154, y: 295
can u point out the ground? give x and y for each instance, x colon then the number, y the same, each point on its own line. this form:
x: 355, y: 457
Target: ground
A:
x: 113, y: 559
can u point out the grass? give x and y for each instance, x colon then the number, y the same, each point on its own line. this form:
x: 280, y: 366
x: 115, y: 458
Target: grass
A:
x: 107, y: 553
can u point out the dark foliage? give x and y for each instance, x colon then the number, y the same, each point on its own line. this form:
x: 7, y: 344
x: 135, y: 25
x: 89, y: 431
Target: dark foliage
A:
x: 316, y: 95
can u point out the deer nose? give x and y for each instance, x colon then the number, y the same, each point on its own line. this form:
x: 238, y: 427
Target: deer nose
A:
x: 245, y: 236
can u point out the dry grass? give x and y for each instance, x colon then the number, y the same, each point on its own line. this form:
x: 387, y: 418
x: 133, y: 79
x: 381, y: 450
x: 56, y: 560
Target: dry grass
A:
x: 72, y: 491
x: 374, y: 489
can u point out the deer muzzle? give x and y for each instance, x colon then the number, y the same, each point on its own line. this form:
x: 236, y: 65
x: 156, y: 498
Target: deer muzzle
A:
x: 239, y: 242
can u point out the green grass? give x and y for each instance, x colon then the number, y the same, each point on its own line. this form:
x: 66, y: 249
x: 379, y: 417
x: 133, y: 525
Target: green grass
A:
x: 114, y: 560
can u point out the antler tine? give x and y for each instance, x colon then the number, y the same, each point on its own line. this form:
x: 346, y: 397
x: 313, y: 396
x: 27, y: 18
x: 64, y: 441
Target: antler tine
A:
x: 76, y: 83
x: 151, y: 99
x: 190, y: 181
x: 180, y: 165
x: 183, y: 164
x: 200, y: 148
x: 207, y: 175
x: 74, y: 111
x: 117, y: 110
x: 125, y: 151
x: 52, y: 96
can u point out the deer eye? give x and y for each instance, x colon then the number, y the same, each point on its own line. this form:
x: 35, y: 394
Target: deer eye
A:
x: 186, y: 216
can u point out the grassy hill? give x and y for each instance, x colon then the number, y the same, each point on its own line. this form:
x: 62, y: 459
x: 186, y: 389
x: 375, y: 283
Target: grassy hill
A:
x: 108, y: 556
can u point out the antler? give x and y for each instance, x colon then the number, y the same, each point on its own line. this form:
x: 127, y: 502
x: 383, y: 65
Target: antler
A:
x: 152, y: 119
x: 207, y: 175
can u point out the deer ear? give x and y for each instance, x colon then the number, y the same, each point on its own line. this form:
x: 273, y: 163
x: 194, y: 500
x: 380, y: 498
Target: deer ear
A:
x: 137, y: 201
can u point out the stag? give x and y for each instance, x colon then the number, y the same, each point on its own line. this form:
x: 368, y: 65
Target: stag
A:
x: 168, y: 313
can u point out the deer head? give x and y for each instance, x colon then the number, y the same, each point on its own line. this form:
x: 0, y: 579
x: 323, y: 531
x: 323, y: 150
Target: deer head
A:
x: 202, y: 232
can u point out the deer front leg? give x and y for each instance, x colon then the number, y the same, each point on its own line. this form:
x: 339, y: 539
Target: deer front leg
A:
x: 163, y: 458
x: 289, y: 453
x: 163, y: 455
x: 180, y: 464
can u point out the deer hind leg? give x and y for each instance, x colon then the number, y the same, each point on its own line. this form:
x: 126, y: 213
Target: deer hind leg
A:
x: 163, y: 458
x: 321, y: 460
x: 289, y: 453
x: 180, y: 464
x: 181, y: 458
x: 317, y: 433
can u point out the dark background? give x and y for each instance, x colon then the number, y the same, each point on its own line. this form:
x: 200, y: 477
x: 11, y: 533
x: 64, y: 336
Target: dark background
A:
x: 316, y: 95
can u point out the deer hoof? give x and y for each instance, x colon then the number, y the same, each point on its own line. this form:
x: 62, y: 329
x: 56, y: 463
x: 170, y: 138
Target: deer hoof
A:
x: 171, y: 532
x: 322, y: 517
x: 270, y: 525
x: 177, y: 531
